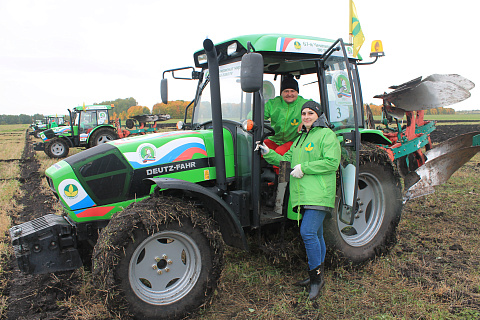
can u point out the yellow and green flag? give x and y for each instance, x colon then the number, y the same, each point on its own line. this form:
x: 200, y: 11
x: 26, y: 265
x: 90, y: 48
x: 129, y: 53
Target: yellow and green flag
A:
x: 356, y: 33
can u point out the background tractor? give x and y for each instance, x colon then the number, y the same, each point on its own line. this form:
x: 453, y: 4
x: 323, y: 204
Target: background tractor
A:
x: 159, y: 209
x: 89, y: 126
x: 49, y: 122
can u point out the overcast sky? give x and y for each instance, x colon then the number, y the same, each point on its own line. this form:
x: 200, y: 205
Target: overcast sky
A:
x: 57, y: 54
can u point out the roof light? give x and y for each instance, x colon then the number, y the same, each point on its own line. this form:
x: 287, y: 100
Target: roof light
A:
x: 377, y: 49
x: 231, y: 49
x: 202, y: 58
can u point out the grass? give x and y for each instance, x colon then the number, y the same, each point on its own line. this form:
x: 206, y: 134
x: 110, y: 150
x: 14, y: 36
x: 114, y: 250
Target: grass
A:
x: 12, y: 139
x: 432, y: 273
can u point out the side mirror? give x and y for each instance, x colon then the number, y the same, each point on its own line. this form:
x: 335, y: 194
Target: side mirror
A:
x: 251, y: 72
x: 164, y: 90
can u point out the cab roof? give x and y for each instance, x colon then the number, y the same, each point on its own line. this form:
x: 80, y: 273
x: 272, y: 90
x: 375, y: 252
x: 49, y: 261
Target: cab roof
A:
x: 275, y: 48
x: 94, y: 107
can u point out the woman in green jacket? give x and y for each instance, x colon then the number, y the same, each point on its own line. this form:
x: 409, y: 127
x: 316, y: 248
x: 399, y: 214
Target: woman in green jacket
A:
x: 314, y: 157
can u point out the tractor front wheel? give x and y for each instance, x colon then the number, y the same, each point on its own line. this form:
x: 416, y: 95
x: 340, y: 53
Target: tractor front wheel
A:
x: 378, y: 211
x: 166, y: 259
x: 57, y: 148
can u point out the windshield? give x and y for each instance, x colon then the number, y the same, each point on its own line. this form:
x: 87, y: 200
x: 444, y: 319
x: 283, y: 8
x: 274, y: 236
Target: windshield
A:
x: 236, y: 104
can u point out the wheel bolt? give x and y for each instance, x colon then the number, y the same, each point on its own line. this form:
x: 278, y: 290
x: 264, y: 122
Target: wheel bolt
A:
x: 164, y: 256
x: 167, y: 269
x: 154, y: 267
x: 157, y: 259
x: 357, y: 216
x: 159, y: 271
x: 169, y: 261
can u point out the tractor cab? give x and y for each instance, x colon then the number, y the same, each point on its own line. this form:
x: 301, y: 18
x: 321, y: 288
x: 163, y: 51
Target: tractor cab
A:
x: 86, y: 118
x: 326, y: 72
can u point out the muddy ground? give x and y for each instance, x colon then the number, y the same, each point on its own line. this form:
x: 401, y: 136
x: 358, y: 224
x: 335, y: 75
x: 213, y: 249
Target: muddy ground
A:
x: 36, y: 297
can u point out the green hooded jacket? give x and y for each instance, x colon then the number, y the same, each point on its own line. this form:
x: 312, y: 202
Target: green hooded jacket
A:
x: 285, y: 118
x: 318, y: 152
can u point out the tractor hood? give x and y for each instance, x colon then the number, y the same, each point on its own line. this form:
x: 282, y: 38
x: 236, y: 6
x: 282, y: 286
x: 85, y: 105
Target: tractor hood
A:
x: 50, y: 133
x: 102, y: 180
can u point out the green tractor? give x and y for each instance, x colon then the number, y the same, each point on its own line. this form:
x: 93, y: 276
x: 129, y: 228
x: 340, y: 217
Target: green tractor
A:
x: 157, y: 209
x: 51, y: 121
x: 89, y: 126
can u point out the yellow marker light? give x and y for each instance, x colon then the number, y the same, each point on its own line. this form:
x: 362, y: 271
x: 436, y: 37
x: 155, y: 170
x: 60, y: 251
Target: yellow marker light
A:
x: 377, y: 49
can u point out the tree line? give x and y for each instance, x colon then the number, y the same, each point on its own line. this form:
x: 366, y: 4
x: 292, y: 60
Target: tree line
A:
x: 123, y: 109
x: 127, y: 108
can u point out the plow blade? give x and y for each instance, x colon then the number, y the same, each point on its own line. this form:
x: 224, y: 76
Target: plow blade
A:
x: 441, y: 164
x: 437, y: 90
x: 450, y: 145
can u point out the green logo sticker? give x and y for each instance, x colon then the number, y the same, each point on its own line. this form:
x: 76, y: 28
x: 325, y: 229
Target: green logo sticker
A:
x: 70, y: 190
x: 342, y: 85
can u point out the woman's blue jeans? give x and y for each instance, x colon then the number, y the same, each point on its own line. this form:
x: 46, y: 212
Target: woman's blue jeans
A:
x: 311, y: 231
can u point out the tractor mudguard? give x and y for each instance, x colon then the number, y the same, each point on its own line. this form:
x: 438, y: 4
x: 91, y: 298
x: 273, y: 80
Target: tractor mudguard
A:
x: 374, y: 136
x: 230, y: 226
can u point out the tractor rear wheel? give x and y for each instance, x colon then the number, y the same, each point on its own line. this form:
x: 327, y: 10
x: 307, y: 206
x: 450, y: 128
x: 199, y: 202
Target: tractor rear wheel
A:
x: 101, y: 136
x: 57, y: 148
x: 163, y: 254
x: 378, y: 211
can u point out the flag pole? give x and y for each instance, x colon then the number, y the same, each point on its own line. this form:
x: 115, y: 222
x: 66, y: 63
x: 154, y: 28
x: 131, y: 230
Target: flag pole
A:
x: 350, y: 34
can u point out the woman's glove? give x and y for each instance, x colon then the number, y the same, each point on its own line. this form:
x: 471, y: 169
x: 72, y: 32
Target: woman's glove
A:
x: 297, y: 172
x: 263, y: 148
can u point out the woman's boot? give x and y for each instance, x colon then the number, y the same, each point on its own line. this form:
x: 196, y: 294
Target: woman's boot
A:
x: 316, y: 281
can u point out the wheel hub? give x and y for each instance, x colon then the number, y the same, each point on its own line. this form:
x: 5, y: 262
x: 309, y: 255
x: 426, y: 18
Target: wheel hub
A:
x: 162, y: 264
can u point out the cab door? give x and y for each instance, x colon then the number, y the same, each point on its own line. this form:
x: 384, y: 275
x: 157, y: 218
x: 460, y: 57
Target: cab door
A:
x: 340, y: 95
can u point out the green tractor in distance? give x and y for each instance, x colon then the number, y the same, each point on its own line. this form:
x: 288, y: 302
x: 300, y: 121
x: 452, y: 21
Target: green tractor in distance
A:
x: 50, y: 122
x: 89, y: 126
x: 157, y: 209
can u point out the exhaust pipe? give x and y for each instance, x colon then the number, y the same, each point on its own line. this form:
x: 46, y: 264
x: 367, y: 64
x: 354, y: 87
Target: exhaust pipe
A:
x: 216, y: 114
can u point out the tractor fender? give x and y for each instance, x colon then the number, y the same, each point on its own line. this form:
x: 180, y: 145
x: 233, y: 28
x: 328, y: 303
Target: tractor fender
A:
x: 230, y: 226
x: 374, y: 136
x: 67, y: 140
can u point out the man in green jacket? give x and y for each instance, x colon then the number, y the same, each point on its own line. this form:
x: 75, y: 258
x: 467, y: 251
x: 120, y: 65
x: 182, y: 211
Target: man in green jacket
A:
x: 284, y: 114
x: 314, y: 157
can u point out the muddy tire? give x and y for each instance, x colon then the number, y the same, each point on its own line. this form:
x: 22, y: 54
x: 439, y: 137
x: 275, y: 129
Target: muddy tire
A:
x: 379, y: 207
x: 101, y: 136
x: 36, y: 134
x: 158, y: 259
x: 57, y: 148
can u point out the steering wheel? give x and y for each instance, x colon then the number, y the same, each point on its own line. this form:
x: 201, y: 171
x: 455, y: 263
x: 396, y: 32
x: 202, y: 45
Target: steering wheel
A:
x: 268, y: 133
